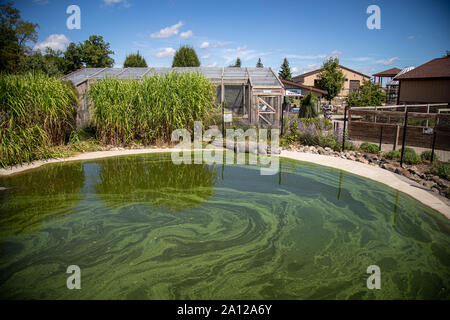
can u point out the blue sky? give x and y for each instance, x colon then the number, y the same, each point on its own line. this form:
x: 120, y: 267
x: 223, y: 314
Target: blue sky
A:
x: 306, y: 32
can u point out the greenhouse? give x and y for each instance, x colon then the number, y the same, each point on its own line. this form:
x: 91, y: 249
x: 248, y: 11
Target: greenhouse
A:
x: 254, y: 95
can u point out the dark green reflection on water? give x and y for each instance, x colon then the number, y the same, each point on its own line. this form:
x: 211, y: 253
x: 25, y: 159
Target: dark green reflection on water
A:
x: 141, y: 227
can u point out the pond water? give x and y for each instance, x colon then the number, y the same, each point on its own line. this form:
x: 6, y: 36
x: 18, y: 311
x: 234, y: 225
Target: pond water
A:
x: 141, y: 227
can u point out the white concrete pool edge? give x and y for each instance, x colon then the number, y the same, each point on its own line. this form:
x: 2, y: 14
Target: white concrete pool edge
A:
x: 374, y: 173
x: 371, y: 172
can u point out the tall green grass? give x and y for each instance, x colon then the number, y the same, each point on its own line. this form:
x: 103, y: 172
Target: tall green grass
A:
x: 150, y: 109
x: 36, y: 112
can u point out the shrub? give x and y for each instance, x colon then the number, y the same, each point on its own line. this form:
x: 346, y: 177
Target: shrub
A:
x: 36, y: 112
x: 411, y: 157
x: 426, y: 155
x: 319, y: 123
x: 369, y: 147
x: 323, y: 141
x: 441, y: 169
x: 150, y: 109
x: 308, y: 107
x: 393, y: 155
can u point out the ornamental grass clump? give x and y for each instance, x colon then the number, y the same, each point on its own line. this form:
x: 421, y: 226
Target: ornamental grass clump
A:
x: 150, y: 109
x: 36, y: 112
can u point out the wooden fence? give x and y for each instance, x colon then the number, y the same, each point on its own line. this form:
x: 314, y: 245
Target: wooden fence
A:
x: 372, y: 123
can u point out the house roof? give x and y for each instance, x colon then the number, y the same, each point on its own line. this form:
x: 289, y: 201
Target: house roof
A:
x: 436, y: 68
x: 388, y: 73
x: 319, y: 70
x: 299, y: 85
x: 259, y: 77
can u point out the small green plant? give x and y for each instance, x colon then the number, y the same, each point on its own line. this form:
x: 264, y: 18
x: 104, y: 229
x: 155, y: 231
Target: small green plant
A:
x: 411, y: 157
x: 426, y: 155
x: 369, y: 147
x: 441, y: 169
x: 319, y: 123
x: 293, y: 133
x: 393, y: 155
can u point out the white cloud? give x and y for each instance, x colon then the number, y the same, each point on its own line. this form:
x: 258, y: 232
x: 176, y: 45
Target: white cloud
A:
x: 310, y: 67
x: 241, y: 48
x: 214, y: 64
x: 125, y: 3
x: 294, y: 70
x: 388, y: 62
x: 295, y: 56
x: 187, y: 34
x: 204, y: 45
x: 336, y: 53
x: 411, y: 37
x: 168, y: 31
x: 140, y: 44
x: 220, y: 44
x: 166, y: 53
x: 359, y: 59
x: 54, y: 41
x: 206, y: 56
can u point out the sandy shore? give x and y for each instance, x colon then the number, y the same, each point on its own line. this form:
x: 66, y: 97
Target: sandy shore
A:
x: 371, y: 172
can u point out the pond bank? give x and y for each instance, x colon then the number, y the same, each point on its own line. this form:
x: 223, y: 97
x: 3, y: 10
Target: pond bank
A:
x: 378, y: 174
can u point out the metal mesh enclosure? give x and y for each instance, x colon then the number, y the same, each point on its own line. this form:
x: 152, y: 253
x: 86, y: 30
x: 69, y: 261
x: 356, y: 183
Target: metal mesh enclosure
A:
x: 262, y: 77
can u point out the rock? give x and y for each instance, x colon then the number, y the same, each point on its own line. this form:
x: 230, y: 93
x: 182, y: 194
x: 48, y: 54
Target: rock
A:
x: 320, y: 150
x: 388, y: 166
x: 429, y: 184
x: 435, y: 190
x: 351, y: 158
x: 328, y: 149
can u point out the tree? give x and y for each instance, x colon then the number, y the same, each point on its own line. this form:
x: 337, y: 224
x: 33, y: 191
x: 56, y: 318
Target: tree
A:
x: 259, y: 64
x: 134, y: 60
x: 237, y: 64
x: 95, y: 53
x: 308, y: 106
x: 15, y: 35
x: 447, y: 54
x: 73, y: 58
x: 185, y: 57
x: 285, y: 72
x: 51, y: 63
x: 368, y: 94
x: 331, y: 78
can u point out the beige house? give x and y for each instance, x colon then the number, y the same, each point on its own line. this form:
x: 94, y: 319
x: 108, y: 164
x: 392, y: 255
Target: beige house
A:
x: 428, y: 83
x: 353, y: 79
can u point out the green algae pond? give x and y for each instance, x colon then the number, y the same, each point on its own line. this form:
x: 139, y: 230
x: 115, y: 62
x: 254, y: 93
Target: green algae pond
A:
x: 142, y: 227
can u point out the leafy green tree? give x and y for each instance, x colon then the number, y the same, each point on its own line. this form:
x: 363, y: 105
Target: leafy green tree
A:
x: 134, y: 60
x: 259, y: 64
x: 368, y: 94
x: 73, y: 58
x: 15, y: 35
x: 447, y: 54
x: 185, y: 57
x: 51, y: 63
x: 95, y: 53
x: 308, y: 106
x: 285, y: 72
x: 331, y: 78
x: 237, y: 64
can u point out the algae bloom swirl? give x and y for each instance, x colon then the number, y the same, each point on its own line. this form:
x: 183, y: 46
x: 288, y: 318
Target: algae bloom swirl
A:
x: 141, y: 227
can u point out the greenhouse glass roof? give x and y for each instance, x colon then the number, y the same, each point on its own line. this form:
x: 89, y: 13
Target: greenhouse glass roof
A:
x: 258, y: 77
